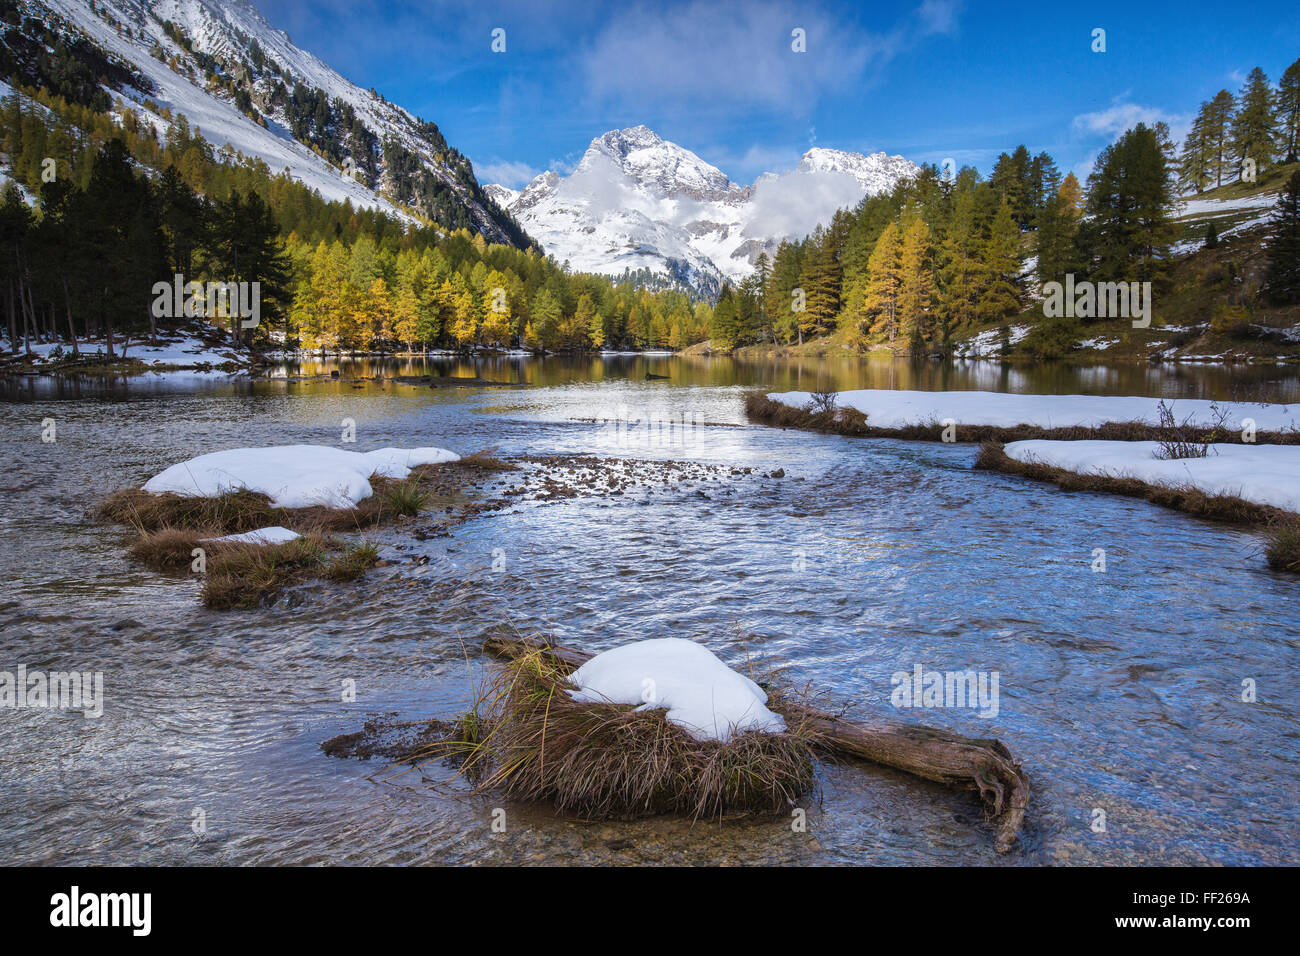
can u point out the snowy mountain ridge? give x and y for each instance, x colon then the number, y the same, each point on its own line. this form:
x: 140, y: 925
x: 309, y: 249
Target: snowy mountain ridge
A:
x: 876, y: 172
x: 636, y: 201
x: 233, y: 75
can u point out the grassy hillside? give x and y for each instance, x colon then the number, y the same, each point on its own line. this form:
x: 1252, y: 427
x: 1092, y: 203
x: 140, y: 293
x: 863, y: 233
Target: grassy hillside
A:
x: 1230, y: 207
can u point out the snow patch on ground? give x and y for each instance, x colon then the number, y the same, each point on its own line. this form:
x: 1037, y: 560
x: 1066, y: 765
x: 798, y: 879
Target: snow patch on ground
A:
x: 272, y: 535
x: 702, y: 695
x: 182, y: 351
x: 293, y: 476
x: 1223, y: 207
x: 888, y: 408
x: 1191, y: 245
x: 1100, y: 344
x: 1263, y: 474
x: 1216, y: 208
x: 988, y: 344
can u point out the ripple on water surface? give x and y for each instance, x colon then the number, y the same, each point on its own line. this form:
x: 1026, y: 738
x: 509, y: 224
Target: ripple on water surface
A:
x: 1119, y: 691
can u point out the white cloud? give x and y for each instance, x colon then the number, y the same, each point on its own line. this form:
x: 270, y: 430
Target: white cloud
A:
x: 794, y: 203
x: 1083, y: 169
x: 938, y: 16
x: 979, y: 158
x: 566, y: 164
x: 1121, y: 116
x: 505, y: 173
x: 712, y: 53
x: 757, y: 159
x: 1117, y: 118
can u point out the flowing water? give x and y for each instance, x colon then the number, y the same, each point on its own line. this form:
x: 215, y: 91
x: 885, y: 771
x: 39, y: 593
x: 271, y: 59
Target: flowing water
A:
x: 1119, y: 691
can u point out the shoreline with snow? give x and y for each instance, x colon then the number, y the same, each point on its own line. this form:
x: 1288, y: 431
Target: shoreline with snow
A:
x: 205, y: 349
x: 1264, y: 475
x: 976, y: 416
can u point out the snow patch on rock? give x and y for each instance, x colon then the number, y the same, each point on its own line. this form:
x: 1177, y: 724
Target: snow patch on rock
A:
x: 272, y: 535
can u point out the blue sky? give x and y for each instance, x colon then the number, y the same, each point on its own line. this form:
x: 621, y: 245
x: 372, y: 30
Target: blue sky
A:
x: 929, y: 79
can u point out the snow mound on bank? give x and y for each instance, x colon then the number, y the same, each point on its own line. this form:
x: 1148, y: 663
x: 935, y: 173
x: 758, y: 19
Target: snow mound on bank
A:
x: 889, y: 408
x: 272, y: 535
x: 294, y: 476
x: 1263, y: 474
x: 398, y: 462
x: 702, y: 695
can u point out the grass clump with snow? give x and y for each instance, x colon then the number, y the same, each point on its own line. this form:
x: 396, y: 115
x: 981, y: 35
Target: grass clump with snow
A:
x: 268, y: 518
x: 246, y: 571
x: 1181, y: 441
x: 541, y: 732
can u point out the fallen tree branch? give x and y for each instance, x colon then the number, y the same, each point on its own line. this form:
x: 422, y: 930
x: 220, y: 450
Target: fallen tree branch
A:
x: 985, y: 766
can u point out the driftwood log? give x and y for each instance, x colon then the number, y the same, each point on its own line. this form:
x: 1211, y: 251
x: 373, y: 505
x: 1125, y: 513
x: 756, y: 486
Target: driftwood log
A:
x: 985, y: 766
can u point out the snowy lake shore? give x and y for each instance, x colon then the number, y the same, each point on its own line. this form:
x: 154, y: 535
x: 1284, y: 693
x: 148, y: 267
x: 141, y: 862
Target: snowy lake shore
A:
x: 168, y: 353
x: 1261, y: 474
x: 887, y: 409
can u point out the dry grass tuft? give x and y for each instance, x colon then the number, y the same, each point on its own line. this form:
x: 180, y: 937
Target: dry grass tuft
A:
x: 170, y: 549
x: 246, y: 576
x: 171, y: 526
x: 352, y: 563
x: 484, y: 460
x: 1283, y: 550
x: 231, y: 513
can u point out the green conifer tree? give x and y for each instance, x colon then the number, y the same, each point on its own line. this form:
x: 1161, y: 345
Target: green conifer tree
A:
x: 1282, y: 277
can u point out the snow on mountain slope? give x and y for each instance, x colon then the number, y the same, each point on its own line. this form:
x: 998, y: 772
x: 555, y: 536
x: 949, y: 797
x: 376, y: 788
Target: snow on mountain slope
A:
x: 219, y: 120
x: 645, y: 158
x: 636, y: 201
x: 223, y: 30
x: 875, y: 173
x: 503, y: 196
x: 1231, y: 215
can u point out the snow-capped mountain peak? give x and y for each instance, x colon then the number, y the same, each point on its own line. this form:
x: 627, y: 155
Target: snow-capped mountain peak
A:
x: 636, y: 201
x: 656, y: 163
